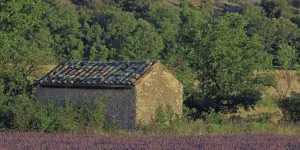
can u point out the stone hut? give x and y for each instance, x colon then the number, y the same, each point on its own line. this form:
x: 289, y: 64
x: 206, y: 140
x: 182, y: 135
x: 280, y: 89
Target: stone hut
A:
x: 133, y: 89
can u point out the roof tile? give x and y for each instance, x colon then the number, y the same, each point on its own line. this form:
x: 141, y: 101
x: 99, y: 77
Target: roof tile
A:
x: 96, y: 73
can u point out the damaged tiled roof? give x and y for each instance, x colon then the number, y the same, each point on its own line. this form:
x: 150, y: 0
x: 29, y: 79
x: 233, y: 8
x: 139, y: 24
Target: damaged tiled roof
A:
x: 96, y: 73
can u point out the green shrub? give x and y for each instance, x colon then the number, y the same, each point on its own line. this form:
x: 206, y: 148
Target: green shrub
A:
x: 165, y: 121
x: 263, y: 117
x: 237, y: 119
x: 214, y: 118
x: 66, y: 117
x: 92, y: 114
x: 257, y: 127
x: 23, y: 114
x: 267, y: 100
x: 81, y: 117
x: 160, y: 116
x: 163, y: 116
x: 216, y: 129
x: 46, y: 116
x: 290, y: 107
x: 76, y: 118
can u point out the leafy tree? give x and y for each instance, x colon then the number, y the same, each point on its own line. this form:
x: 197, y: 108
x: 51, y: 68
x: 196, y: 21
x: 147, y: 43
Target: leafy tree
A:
x: 295, y: 3
x: 62, y: 22
x: 94, y: 45
x: 128, y: 38
x: 167, y: 21
x: 287, y: 59
x: 286, y: 56
x: 276, y: 8
x: 207, y: 6
x: 143, y: 43
x: 176, y: 26
x: 117, y: 26
x: 179, y: 58
x: 296, y: 19
x: 272, y: 31
x: 288, y: 32
x: 141, y: 7
x: 261, y: 25
x: 19, y: 56
x: 92, y: 4
x: 85, y: 15
x: 192, y: 22
x: 225, y: 60
x: 289, y: 107
x: 18, y: 21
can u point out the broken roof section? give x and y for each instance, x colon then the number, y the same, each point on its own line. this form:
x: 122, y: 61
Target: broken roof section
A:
x: 98, y: 74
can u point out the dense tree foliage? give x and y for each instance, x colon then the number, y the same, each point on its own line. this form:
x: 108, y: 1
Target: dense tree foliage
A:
x: 219, y: 50
x: 19, y: 56
x: 225, y: 59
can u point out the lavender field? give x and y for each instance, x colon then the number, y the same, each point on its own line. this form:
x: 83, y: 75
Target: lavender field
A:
x: 69, y: 141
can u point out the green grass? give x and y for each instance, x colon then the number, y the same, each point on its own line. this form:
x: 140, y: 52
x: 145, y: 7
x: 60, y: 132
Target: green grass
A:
x: 199, y: 127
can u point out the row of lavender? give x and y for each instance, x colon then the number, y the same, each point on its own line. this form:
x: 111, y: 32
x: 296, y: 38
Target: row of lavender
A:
x: 69, y: 141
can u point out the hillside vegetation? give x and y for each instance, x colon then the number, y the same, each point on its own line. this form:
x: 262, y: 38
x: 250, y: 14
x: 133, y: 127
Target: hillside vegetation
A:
x: 219, y: 43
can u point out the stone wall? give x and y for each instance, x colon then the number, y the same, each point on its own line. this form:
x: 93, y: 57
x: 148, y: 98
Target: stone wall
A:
x: 158, y: 87
x: 120, y: 102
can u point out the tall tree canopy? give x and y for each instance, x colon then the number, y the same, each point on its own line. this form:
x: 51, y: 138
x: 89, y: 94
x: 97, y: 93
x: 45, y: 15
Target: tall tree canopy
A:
x: 225, y: 60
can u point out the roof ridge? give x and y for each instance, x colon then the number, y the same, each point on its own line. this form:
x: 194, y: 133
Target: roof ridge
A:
x: 134, y: 61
